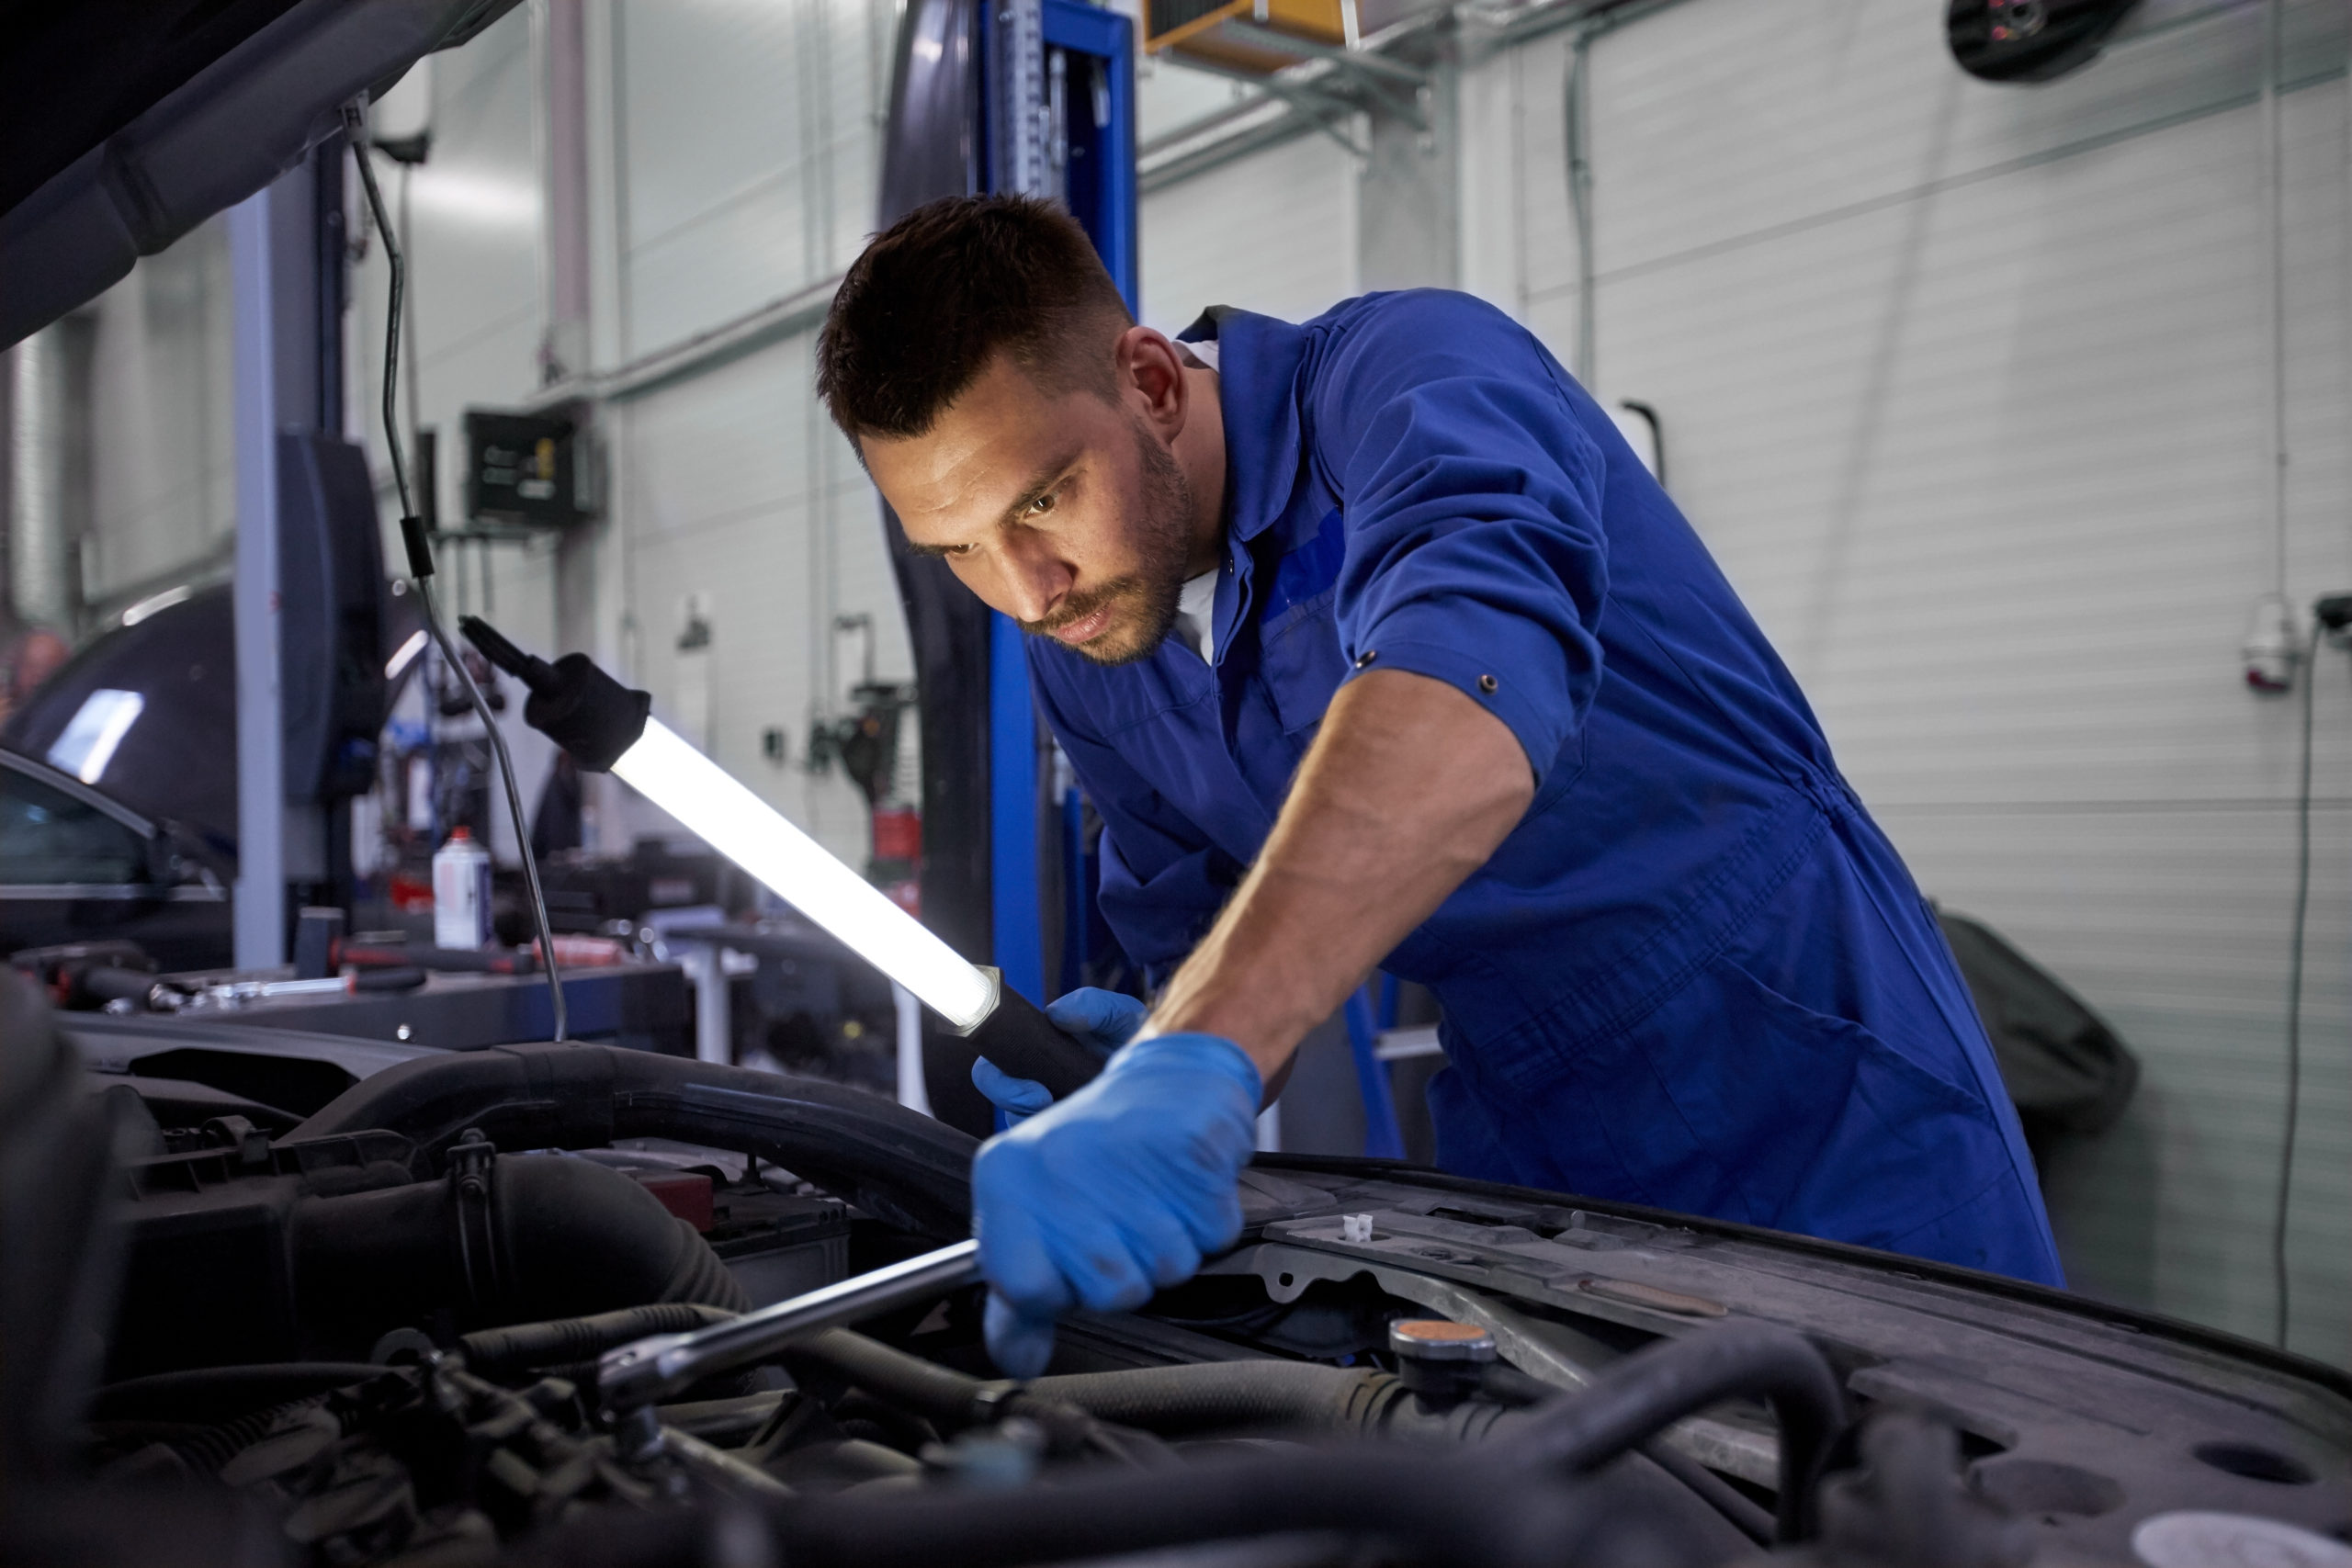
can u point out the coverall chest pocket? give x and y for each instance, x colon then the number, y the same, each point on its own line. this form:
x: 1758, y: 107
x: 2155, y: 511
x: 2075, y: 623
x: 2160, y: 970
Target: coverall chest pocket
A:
x: 1303, y: 664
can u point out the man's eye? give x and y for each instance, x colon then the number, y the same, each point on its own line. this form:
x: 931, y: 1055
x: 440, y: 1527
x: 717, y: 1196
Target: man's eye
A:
x: 1043, y: 504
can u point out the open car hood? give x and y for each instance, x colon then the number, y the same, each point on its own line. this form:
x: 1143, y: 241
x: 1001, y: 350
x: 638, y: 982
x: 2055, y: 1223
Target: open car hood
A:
x: 128, y: 124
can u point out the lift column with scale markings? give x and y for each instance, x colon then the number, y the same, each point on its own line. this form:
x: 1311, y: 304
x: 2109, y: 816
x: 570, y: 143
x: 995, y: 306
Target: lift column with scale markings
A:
x: 1061, y: 79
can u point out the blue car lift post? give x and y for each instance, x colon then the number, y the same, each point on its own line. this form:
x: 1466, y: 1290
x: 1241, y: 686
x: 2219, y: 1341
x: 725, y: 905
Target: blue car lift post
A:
x: 1060, y: 122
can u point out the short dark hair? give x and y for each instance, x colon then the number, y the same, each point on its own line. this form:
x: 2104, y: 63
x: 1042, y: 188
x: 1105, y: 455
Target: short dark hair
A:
x: 945, y: 288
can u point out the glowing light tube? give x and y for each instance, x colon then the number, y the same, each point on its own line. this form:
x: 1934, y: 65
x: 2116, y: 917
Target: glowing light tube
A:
x: 754, y: 835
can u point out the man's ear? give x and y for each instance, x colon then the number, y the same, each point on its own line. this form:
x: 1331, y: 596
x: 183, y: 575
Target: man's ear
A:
x: 1151, y: 377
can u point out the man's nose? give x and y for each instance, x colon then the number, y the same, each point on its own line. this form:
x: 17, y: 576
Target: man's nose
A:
x: 1034, y: 579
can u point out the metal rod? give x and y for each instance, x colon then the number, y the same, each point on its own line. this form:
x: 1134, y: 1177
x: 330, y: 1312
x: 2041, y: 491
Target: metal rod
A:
x: 355, y: 123
x: 1359, y: 58
x: 2274, y: 253
x: 659, y: 1366
x: 1578, y: 115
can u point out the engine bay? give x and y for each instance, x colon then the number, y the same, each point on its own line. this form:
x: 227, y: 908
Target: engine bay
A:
x: 373, y: 1337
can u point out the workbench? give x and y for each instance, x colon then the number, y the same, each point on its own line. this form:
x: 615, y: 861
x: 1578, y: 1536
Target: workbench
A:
x: 644, y: 1007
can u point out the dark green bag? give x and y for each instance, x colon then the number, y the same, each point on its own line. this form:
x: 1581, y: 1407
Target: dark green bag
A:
x: 2066, y: 1069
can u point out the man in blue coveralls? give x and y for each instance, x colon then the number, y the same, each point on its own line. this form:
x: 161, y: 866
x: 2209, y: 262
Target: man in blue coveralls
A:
x: 1374, y: 645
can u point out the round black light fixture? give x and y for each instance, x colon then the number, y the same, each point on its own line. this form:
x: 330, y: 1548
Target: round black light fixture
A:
x: 2029, y: 40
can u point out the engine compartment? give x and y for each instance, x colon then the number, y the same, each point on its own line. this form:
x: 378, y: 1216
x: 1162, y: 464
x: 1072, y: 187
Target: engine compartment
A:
x: 372, y: 1339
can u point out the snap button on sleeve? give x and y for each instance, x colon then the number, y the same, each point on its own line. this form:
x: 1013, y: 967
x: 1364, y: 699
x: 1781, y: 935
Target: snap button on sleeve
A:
x: 1487, y: 683
x: 1364, y: 658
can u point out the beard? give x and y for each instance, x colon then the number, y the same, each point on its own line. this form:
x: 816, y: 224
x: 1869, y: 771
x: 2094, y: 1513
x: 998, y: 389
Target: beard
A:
x: 1144, y: 600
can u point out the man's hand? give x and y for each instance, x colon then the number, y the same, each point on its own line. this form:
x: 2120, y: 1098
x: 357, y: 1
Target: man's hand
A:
x: 1100, y: 1021
x: 1116, y: 1192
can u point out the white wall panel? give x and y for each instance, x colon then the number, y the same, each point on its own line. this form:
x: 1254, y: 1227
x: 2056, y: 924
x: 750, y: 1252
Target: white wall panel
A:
x: 475, y: 203
x: 746, y: 161
x: 1169, y: 96
x: 1718, y: 121
x: 164, y: 483
x: 1966, y: 386
x: 741, y: 492
x: 1274, y: 232
x: 750, y: 150
x: 474, y: 302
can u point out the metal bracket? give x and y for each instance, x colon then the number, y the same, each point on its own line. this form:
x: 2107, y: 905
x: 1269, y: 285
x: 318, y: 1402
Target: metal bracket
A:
x: 1393, y: 86
x: 473, y: 1162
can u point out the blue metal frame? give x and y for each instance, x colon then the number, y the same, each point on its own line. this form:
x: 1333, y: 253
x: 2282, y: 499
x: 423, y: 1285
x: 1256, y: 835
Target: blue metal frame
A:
x: 1383, y: 1138
x: 1102, y: 169
x: 1102, y: 194
x: 1015, y: 908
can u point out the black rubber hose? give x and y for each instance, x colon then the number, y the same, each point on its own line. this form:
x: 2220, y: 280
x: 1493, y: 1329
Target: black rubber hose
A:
x: 1506, y: 1382
x: 1170, y: 1401
x: 1453, y: 1509
x: 1185, y: 1400
x: 1658, y: 1385
x: 942, y: 1396
x: 1742, y: 1512
x: 891, y: 1162
x: 206, y: 1394
x: 1451, y: 1513
x: 573, y: 1237
x: 579, y: 1338
x: 205, y: 1449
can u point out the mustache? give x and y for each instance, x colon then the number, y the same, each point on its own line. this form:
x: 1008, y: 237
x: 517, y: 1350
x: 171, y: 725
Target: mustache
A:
x: 1078, y: 607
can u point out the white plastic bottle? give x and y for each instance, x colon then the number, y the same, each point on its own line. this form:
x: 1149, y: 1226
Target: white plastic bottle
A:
x: 461, y: 892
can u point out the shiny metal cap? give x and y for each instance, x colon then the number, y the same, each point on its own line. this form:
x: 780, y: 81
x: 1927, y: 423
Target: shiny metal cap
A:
x: 1435, y: 1339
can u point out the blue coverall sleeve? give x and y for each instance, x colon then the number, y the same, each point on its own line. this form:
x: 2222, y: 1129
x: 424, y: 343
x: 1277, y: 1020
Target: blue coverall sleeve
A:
x: 1163, y: 881
x: 1472, y: 497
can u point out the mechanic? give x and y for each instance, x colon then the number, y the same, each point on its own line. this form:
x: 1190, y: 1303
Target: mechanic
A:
x: 1376, y: 645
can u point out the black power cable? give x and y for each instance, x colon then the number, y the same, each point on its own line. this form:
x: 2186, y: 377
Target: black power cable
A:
x: 2295, y: 996
x: 2332, y: 613
x: 420, y: 556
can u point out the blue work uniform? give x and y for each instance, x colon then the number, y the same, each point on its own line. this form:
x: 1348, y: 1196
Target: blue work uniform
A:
x: 1695, y: 974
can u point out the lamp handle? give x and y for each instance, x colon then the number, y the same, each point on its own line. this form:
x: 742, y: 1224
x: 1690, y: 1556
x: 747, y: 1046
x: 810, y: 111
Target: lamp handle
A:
x: 1019, y: 1038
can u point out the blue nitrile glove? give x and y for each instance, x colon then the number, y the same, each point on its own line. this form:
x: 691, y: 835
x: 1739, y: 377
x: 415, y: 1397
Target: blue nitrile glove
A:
x: 1114, y: 1192
x: 1099, y: 1019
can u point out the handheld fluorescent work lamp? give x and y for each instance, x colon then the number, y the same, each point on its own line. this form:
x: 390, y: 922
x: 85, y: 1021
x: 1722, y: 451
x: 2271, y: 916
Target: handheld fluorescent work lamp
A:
x: 607, y: 727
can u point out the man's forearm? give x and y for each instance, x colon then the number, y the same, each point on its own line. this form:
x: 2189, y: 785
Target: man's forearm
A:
x: 1407, y: 791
